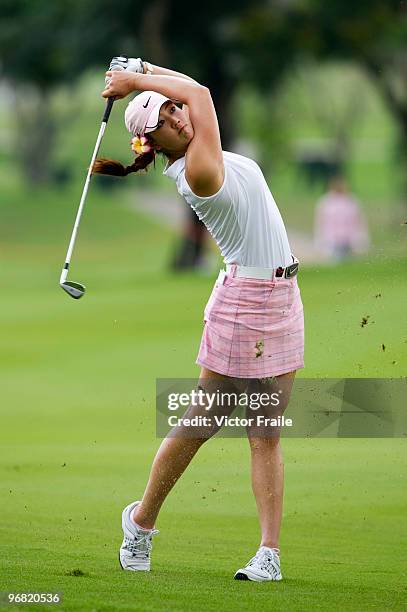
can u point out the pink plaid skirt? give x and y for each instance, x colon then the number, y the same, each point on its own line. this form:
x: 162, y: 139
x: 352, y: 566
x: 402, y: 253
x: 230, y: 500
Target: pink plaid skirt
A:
x: 253, y: 328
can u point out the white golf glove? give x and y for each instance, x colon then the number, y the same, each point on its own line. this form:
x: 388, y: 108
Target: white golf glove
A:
x: 131, y: 64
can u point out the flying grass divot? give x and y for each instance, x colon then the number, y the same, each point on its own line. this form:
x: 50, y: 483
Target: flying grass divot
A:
x: 76, y: 572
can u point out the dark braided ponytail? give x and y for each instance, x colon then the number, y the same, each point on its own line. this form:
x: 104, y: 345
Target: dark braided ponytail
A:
x: 112, y: 167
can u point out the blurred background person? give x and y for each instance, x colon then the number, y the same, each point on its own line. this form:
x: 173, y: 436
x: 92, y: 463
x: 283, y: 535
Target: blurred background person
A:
x: 341, y: 228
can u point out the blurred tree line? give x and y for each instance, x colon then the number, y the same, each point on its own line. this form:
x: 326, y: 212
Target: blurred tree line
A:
x: 222, y: 44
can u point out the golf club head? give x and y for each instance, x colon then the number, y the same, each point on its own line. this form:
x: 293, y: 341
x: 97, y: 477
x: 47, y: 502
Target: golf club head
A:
x: 75, y: 290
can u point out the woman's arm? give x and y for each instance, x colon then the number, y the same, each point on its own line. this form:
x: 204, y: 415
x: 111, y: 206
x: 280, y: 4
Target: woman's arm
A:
x: 123, y: 82
x: 204, y: 158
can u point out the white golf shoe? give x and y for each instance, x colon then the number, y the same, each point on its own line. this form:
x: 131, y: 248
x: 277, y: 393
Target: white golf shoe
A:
x: 135, y: 550
x: 264, y: 566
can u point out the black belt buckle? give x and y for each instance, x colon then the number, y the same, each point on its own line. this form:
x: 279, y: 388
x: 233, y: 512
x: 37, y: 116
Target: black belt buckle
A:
x: 291, y: 271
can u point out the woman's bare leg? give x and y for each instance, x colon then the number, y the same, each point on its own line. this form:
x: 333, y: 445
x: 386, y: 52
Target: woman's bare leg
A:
x: 268, y: 487
x: 170, y: 462
x: 268, y: 475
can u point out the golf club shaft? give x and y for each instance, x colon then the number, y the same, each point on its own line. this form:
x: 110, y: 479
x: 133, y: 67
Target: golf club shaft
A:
x: 106, y: 115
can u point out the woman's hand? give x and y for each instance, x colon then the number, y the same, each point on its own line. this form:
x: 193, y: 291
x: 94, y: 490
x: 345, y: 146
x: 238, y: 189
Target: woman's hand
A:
x: 120, y: 83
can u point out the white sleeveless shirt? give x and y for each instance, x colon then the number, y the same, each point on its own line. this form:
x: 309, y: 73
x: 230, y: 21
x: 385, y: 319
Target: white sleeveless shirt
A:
x: 242, y: 216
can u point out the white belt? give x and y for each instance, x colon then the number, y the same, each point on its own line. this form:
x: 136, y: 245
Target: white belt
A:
x: 255, y: 272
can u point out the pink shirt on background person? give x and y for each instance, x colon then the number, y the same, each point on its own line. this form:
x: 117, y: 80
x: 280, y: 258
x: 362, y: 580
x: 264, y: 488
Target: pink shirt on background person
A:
x: 340, y: 224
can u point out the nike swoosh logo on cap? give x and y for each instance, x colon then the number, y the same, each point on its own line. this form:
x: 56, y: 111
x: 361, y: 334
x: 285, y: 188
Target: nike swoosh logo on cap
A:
x: 146, y: 104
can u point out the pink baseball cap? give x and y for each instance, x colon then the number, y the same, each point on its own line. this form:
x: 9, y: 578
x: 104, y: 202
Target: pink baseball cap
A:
x: 141, y: 115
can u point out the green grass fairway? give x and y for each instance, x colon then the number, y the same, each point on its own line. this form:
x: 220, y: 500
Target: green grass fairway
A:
x: 78, y: 429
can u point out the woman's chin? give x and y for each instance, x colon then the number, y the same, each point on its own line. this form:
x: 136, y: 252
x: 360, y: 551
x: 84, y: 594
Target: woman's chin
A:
x: 187, y: 132
x: 188, y: 136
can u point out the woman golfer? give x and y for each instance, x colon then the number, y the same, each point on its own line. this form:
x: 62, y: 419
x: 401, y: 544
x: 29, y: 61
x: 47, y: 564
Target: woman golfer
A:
x: 254, y: 332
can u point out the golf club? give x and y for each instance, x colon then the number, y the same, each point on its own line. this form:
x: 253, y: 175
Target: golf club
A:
x: 77, y: 290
